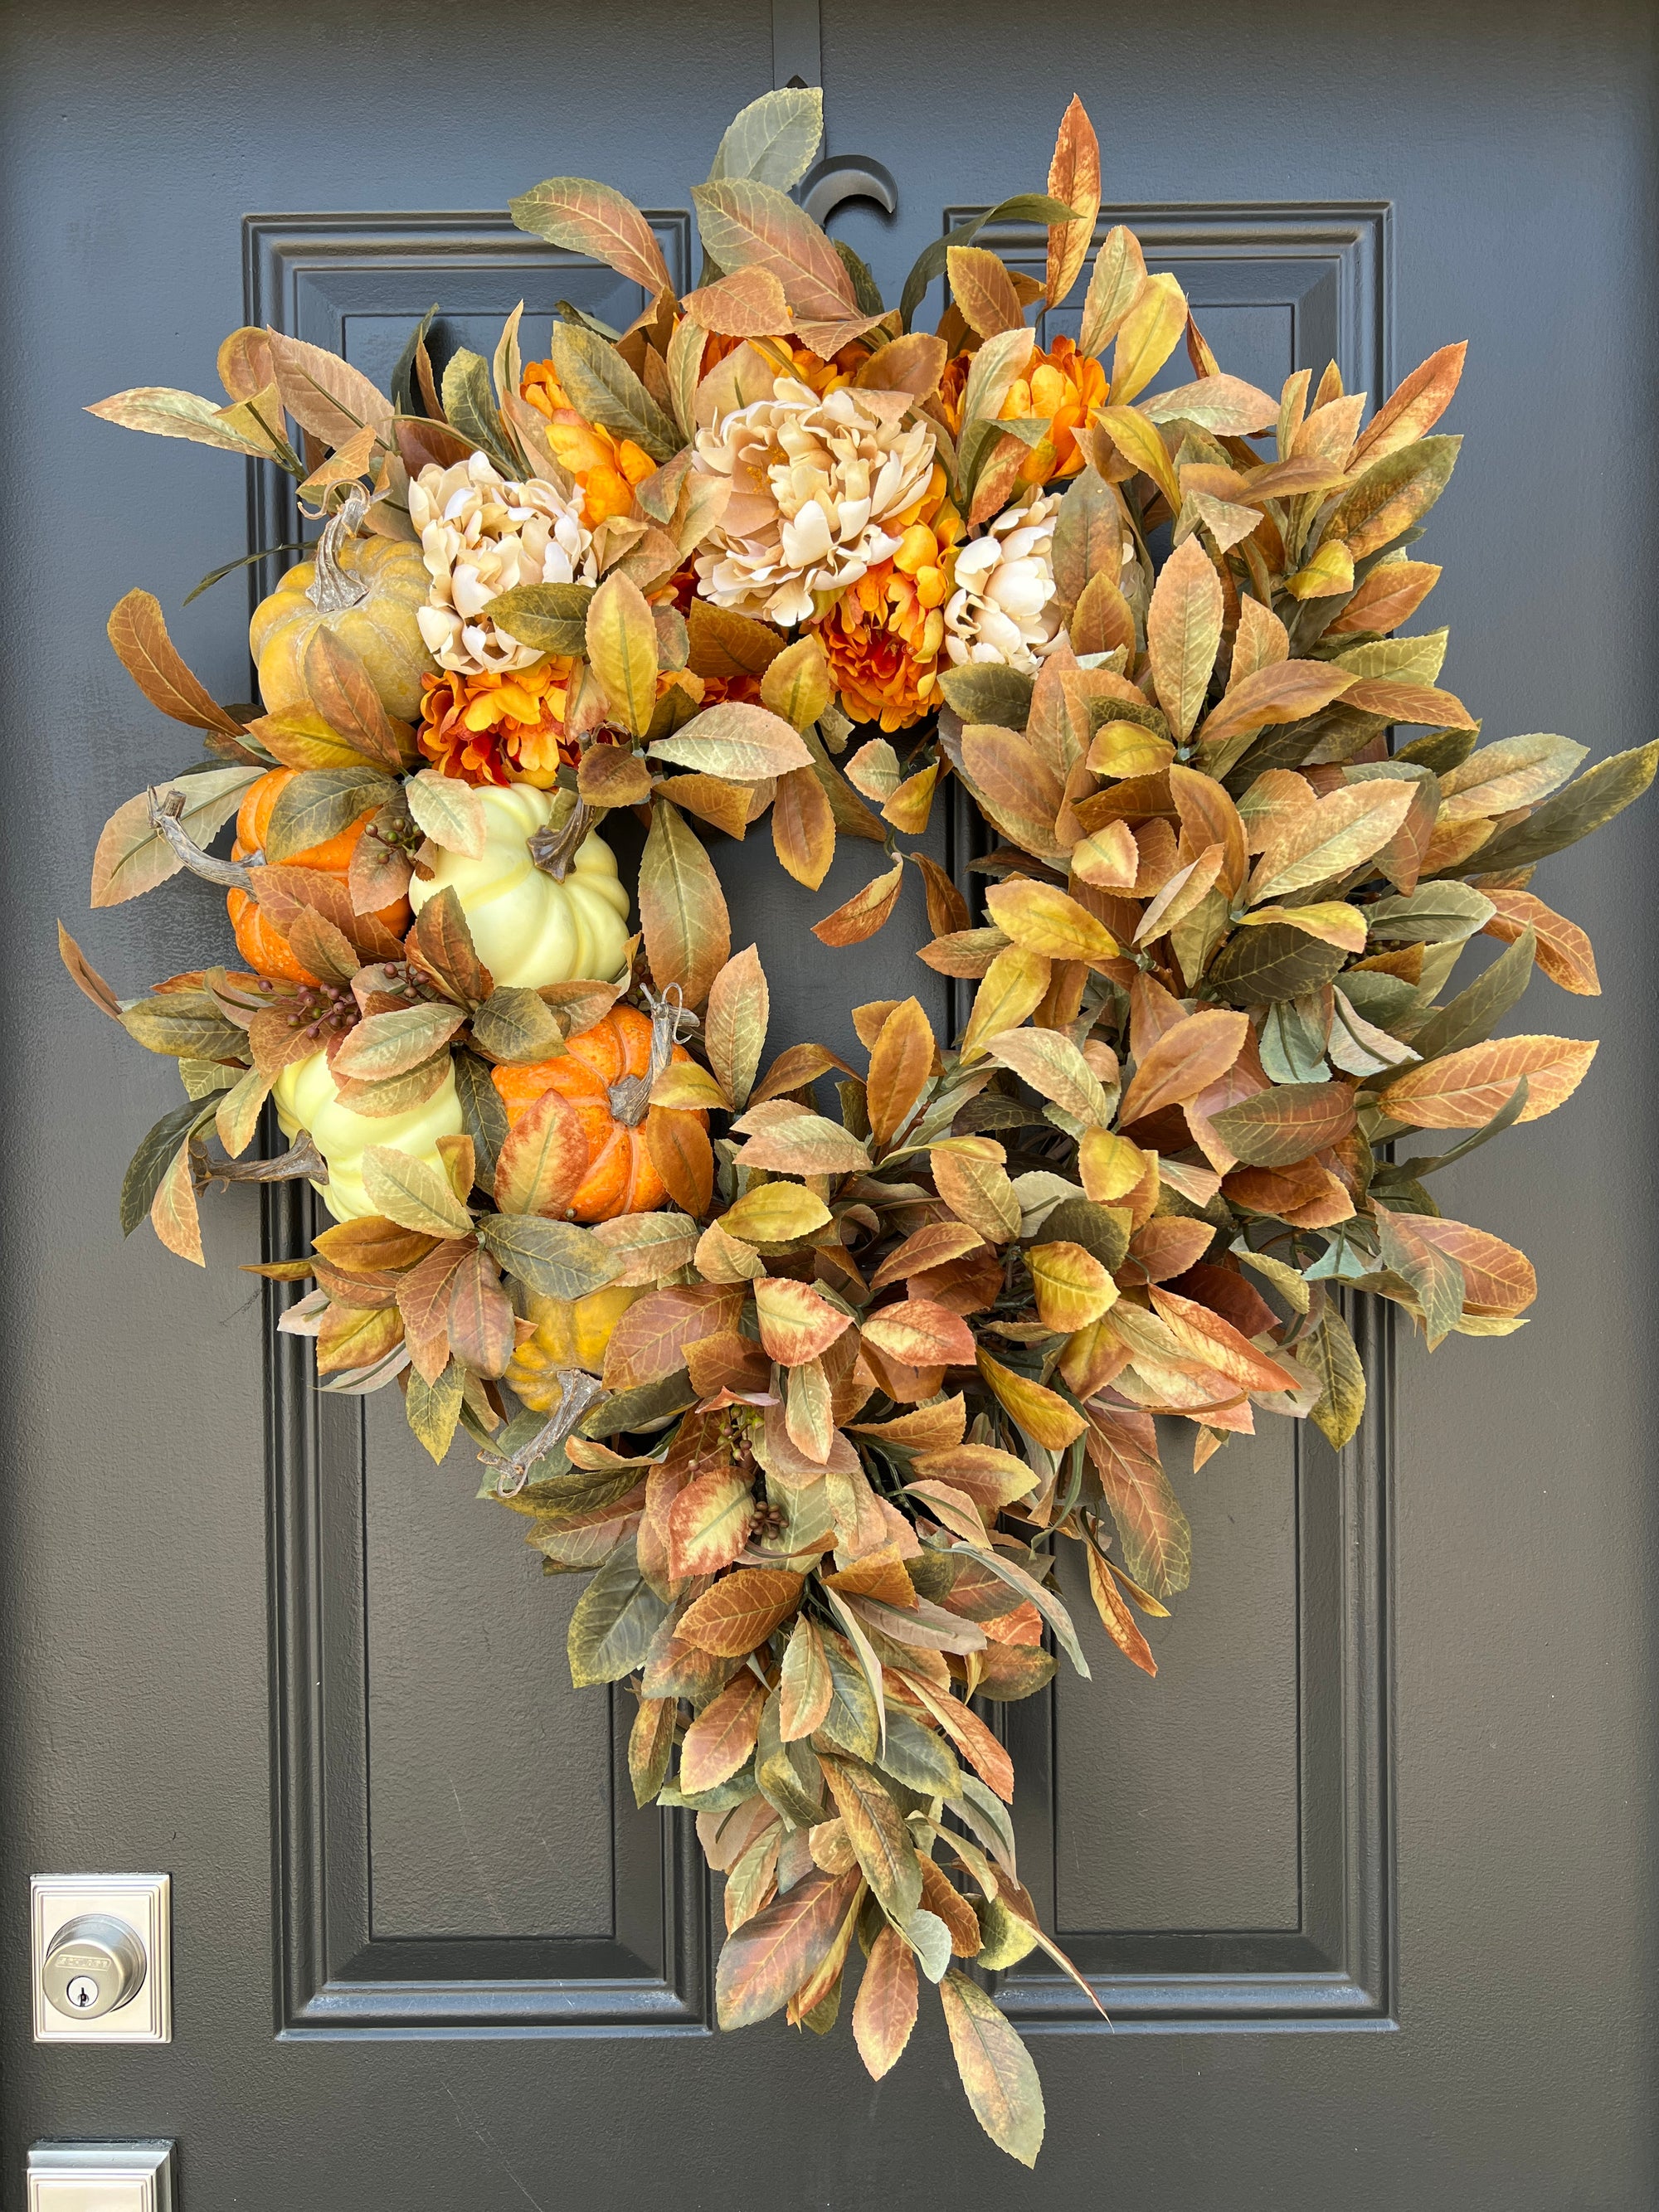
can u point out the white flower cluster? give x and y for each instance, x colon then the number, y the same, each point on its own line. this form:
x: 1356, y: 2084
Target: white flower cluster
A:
x: 482, y: 536
x: 1003, y: 607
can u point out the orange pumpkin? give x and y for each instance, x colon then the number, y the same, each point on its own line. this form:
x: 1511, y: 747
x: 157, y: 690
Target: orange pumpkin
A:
x: 261, y: 943
x: 620, y: 1178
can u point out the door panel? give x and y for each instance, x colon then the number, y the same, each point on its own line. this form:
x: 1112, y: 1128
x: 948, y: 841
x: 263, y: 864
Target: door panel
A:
x: 1366, y: 1875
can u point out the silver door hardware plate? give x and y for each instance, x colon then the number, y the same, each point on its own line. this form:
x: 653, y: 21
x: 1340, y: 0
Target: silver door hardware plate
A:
x: 130, y: 2177
x: 101, y: 1949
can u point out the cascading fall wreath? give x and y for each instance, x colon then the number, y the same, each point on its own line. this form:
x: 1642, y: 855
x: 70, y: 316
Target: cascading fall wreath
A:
x: 816, y: 1396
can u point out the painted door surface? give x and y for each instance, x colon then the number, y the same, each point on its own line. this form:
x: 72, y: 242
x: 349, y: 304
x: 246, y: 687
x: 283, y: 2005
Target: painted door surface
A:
x: 1365, y: 1877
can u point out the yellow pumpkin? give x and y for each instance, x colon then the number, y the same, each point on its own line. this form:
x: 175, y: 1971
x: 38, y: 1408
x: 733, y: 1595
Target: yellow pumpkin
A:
x: 305, y: 1099
x: 367, y: 591
x: 529, y: 929
x: 568, y: 1334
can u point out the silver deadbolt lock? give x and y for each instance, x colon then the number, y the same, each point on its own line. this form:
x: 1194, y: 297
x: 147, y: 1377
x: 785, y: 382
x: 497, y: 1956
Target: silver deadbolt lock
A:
x: 93, y: 1964
x: 102, y: 1945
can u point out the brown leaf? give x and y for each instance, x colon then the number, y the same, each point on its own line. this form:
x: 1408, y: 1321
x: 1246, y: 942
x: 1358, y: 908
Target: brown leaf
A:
x: 608, y: 776
x: 984, y: 291
x: 748, y: 304
x: 1183, y: 632
x: 1414, y: 407
x: 1196, y: 1052
x: 805, y: 1685
x: 86, y: 976
x: 865, y: 913
x: 542, y: 1158
x: 173, y: 1211
x: 1564, y: 952
x: 735, y: 1024
x: 947, y: 909
x: 996, y: 2069
x: 650, y: 1340
x: 1015, y: 785
x: 797, y: 1324
x: 344, y: 693
x: 481, y: 1332
x: 595, y: 218
x: 766, y: 1961
x: 138, y: 632
x: 1152, y: 1526
x: 1115, y: 1617
x: 920, y: 1333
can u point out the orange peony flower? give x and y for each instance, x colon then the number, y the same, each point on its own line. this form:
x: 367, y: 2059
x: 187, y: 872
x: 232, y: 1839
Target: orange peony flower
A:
x: 607, y: 468
x: 1061, y: 384
x: 499, y: 729
x: 883, y: 635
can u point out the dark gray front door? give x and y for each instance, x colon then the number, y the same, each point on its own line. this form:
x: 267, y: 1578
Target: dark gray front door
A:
x: 1366, y: 1875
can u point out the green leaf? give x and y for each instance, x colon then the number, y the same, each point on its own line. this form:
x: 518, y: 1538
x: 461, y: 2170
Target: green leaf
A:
x: 1434, y: 1277
x: 470, y: 403
x: 989, y: 692
x: 556, y: 1258
x: 452, y: 814
x: 185, y: 1025
x: 1275, y: 962
x: 516, y: 1025
x: 1329, y: 1350
x: 774, y: 139
x: 1391, y: 495
x: 615, y: 1620
x: 549, y: 617
x: 603, y: 390
x: 154, y: 1156
x: 1103, y: 1231
x: 432, y: 1410
x: 411, y: 1194
x: 875, y: 1828
x: 1277, y: 1127
x: 1439, y: 913
x: 1024, y: 207
x: 996, y: 2069
x: 1599, y: 794
x: 918, y: 1757
x: 484, y: 1115
x: 852, y: 1721
x: 1471, y: 1015
x: 1045, y: 1602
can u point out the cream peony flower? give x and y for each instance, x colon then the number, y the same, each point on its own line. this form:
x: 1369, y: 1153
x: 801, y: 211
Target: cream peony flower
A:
x: 821, y: 491
x: 1003, y: 606
x: 482, y: 536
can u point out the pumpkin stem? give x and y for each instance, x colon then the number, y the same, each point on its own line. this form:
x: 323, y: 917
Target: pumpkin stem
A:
x: 553, y: 851
x: 579, y: 1392
x: 629, y: 1096
x: 331, y: 591
x: 301, y: 1159
x: 231, y: 875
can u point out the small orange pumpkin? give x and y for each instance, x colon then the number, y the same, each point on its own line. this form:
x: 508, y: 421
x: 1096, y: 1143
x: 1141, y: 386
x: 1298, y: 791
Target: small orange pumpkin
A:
x: 621, y: 1177
x: 260, y: 943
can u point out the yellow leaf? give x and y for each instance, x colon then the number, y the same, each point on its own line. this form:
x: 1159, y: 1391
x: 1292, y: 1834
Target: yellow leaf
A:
x: 1150, y: 333
x: 622, y: 646
x: 1043, y: 1415
x: 1072, y: 1288
x: 1044, y: 920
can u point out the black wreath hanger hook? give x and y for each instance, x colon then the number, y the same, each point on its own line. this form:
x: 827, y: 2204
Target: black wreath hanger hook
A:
x: 797, y: 60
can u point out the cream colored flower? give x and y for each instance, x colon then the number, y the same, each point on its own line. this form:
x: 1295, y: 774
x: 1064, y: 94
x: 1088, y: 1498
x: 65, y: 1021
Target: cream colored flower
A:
x: 1003, y: 607
x: 482, y: 536
x: 822, y: 490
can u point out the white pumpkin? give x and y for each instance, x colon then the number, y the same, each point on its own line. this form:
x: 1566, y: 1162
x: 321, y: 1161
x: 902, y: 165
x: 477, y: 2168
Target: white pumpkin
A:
x: 528, y: 929
x: 305, y: 1098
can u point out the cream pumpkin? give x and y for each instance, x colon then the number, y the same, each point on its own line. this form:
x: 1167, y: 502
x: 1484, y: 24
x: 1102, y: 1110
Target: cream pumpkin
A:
x: 529, y: 929
x: 305, y: 1098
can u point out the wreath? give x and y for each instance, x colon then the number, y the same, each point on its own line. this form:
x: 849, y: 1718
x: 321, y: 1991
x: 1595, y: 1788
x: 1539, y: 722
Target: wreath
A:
x: 815, y: 1394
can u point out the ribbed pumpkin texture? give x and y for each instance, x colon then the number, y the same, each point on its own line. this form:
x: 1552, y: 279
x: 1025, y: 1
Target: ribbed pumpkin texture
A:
x: 262, y: 945
x: 382, y: 629
x: 620, y: 1177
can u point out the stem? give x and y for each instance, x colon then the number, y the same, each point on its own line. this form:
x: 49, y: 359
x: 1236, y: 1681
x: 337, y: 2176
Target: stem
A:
x: 332, y: 591
x: 164, y: 813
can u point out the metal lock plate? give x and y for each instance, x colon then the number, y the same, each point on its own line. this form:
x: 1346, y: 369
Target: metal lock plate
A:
x: 101, y: 1946
x: 132, y: 2177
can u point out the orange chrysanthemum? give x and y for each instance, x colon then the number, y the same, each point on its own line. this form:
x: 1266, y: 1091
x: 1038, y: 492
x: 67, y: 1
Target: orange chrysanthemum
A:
x: 499, y: 729
x: 607, y: 468
x: 1061, y: 384
x: 882, y: 636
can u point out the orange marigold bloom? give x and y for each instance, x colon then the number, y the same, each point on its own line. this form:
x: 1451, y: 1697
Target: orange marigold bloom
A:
x: 499, y: 729
x: 883, y: 635
x: 819, y: 376
x: 1061, y: 383
x: 607, y: 468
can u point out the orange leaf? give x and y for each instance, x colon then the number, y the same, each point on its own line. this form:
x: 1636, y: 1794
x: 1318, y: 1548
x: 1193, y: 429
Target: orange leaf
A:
x: 1564, y: 952
x: 1015, y: 786
x: 708, y: 1525
x: 1183, y: 632
x: 650, y: 1340
x: 723, y: 1735
x: 542, y: 1158
x: 681, y: 1155
x: 865, y: 913
x: 1466, y: 1088
x: 1415, y: 406
x: 982, y: 289
x: 900, y: 1067
x: 920, y: 1333
x: 1075, y: 178
x: 766, y: 1961
x: 804, y: 827
x: 884, y: 2010
x: 741, y: 1611
x: 1187, y: 1059
x: 797, y: 1324
x: 1072, y: 1288
x: 1117, y: 1619
x: 1495, y: 1274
